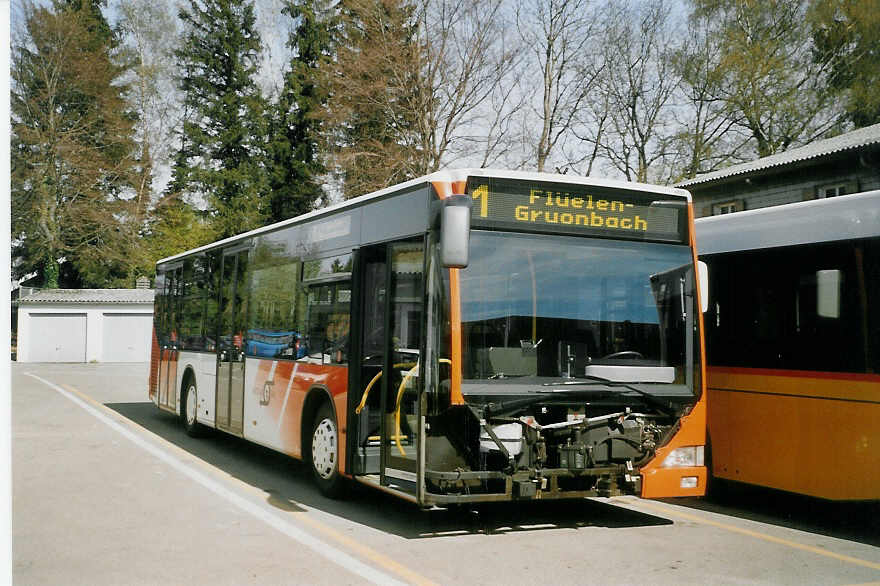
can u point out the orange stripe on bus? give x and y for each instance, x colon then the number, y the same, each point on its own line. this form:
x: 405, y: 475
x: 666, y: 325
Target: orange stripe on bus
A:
x: 699, y: 304
x: 799, y: 444
x: 444, y: 189
x: 456, y: 396
x: 658, y: 481
x: 800, y: 431
x: 817, y: 385
x: 847, y: 376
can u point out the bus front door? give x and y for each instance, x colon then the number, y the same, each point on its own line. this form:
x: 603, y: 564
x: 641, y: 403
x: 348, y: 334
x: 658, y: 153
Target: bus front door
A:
x: 391, y: 320
x: 404, y: 321
x: 231, y: 344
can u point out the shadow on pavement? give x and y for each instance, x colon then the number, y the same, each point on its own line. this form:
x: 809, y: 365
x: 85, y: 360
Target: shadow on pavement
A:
x: 853, y: 521
x: 289, y: 487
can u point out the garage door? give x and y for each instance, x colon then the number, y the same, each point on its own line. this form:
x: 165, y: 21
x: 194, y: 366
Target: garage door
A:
x: 57, y: 337
x: 127, y: 337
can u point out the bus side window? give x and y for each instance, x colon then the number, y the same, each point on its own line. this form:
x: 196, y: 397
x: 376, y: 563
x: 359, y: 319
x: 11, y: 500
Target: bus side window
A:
x: 790, y: 307
x: 276, y: 303
x: 327, y: 287
x: 329, y: 307
x: 192, y: 308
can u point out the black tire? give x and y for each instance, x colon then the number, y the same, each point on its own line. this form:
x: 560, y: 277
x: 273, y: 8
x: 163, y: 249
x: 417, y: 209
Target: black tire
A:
x: 189, y: 409
x: 323, y: 453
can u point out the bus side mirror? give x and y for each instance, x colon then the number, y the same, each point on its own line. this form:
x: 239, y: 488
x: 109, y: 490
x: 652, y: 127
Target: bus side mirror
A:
x: 703, y: 274
x: 455, y: 231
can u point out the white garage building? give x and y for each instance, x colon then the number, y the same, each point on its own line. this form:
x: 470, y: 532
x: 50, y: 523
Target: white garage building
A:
x: 85, y: 325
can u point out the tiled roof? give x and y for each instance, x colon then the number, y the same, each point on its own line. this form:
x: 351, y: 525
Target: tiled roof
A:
x: 89, y: 296
x: 844, y: 142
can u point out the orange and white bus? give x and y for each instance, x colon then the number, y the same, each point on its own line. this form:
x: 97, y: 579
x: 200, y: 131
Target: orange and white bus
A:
x: 468, y: 336
x: 793, y: 343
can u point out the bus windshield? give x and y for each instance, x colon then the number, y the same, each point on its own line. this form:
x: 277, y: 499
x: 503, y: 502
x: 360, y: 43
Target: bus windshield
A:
x: 538, y: 308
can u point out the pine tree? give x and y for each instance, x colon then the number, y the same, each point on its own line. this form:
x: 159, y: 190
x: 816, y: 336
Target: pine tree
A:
x: 72, y: 150
x: 375, y: 86
x: 295, y: 164
x: 223, y: 140
x: 97, y: 26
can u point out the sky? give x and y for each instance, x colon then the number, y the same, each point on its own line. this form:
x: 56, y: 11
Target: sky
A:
x: 274, y: 29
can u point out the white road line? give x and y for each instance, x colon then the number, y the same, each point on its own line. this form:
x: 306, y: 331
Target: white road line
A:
x: 322, y: 548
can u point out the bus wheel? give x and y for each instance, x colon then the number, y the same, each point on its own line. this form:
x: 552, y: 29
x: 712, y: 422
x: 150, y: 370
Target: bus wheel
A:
x: 325, y: 452
x: 190, y: 407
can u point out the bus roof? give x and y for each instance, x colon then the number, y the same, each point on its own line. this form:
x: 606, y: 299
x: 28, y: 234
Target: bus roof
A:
x: 451, y: 175
x: 839, y: 218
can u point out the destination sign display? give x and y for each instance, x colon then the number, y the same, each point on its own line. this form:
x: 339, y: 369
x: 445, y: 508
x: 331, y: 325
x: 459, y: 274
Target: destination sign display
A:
x: 577, y: 209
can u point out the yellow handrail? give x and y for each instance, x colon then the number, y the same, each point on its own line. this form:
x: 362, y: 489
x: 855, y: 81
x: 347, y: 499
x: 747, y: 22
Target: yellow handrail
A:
x: 363, y: 402
x: 398, y: 404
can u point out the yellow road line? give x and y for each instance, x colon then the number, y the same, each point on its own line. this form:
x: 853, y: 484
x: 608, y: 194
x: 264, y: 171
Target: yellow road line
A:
x: 757, y: 535
x: 364, y: 551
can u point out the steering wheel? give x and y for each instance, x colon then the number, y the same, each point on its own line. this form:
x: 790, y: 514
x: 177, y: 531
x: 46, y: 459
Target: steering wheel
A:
x: 624, y: 354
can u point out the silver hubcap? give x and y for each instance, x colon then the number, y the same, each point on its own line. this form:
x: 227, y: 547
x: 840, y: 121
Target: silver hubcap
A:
x: 191, y: 405
x: 324, y: 448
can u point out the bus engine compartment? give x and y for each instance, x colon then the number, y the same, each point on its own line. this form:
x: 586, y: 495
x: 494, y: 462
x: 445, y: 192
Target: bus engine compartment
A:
x: 540, y: 451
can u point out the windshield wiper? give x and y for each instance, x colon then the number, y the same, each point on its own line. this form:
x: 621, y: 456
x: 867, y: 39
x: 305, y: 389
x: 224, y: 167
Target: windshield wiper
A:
x: 589, y: 379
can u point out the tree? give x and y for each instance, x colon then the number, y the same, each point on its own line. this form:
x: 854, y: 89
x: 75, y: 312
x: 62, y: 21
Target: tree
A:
x: 373, y: 84
x: 96, y: 25
x: 295, y: 164
x: 847, y: 38
x: 149, y: 33
x: 175, y: 226
x: 72, y: 150
x: 411, y: 83
x: 709, y: 135
x: 773, y: 87
x: 466, y: 74
x: 560, y: 34
x: 639, y: 84
x: 221, y: 160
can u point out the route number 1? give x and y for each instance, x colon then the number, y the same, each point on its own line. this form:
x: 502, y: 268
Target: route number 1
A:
x: 481, y: 193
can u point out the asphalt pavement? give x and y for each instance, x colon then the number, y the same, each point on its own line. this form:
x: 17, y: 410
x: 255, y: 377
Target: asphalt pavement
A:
x: 108, y: 490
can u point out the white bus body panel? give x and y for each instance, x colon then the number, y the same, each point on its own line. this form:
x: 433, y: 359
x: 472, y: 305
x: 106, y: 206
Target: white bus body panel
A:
x: 267, y: 401
x: 204, y: 365
x: 206, y: 377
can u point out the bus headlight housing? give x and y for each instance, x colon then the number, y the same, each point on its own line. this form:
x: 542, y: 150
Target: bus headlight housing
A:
x: 685, y: 457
